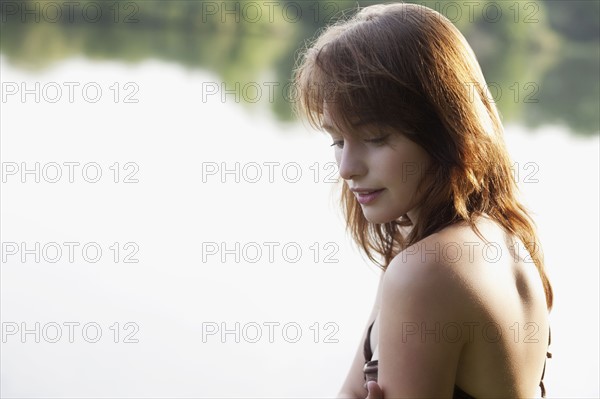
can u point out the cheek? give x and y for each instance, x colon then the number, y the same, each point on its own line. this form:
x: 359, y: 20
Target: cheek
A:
x: 393, y: 167
x: 338, y: 156
x: 402, y: 172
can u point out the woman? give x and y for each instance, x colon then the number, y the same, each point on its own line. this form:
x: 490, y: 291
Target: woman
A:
x: 428, y: 194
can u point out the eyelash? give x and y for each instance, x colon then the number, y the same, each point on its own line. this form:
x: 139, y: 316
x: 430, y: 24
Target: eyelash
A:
x: 377, y: 141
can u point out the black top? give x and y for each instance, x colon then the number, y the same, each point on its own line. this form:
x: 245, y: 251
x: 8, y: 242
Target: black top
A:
x: 370, y: 369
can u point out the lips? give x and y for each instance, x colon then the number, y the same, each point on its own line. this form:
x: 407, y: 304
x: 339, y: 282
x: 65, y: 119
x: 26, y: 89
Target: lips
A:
x: 366, y: 196
x: 365, y: 190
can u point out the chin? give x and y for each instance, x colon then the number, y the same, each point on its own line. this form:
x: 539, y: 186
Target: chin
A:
x: 379, y: 217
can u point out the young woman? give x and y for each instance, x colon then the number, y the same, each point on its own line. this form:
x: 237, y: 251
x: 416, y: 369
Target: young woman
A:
x: 428, y: 194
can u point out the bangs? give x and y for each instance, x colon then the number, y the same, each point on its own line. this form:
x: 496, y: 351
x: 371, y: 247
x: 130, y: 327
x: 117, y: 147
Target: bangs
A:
x: 357, y: 88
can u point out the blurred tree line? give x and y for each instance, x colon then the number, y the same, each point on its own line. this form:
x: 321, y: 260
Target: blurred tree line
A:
x: 541, y: 58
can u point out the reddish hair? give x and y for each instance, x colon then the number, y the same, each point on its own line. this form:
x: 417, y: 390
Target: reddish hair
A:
x: 408, y: 67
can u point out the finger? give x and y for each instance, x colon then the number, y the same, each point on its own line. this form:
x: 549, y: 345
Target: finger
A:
x: 375, y: 391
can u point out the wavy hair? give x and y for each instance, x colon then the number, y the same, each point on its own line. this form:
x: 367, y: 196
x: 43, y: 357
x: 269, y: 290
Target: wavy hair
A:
x: 408, y: 67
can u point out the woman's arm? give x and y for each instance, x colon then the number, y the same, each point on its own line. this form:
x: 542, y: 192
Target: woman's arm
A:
x: 353, y: 385
x: 418, y: 299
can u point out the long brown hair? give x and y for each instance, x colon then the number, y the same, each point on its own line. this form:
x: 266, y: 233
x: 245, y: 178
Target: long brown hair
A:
x: 408, y: 67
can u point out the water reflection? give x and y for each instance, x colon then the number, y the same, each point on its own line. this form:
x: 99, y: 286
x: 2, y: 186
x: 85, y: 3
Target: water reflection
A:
x: 171, y: 292
x: 540, y: 57
x: 177, y: 206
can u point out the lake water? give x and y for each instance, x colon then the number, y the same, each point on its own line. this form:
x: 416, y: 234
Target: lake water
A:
x: 260, y: 244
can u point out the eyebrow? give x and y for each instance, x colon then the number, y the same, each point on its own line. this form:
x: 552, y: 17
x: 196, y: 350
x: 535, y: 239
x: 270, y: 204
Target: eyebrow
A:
x: 330, y: 128
x: 327, y: 127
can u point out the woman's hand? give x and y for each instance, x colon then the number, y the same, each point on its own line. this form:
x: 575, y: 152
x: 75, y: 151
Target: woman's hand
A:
x: 375, y: 391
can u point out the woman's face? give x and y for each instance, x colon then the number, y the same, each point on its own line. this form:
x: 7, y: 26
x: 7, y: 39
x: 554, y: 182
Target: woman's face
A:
x: 382, y: 169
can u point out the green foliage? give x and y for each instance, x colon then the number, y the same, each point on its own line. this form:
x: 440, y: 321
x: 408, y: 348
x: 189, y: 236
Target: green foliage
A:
x: 542, y: 54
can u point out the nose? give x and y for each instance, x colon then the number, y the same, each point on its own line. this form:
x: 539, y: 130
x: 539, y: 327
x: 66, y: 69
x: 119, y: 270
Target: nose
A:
x: 350, y: 162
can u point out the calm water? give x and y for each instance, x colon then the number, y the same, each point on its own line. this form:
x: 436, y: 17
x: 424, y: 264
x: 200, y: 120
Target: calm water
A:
x: 185, y: 204
x: 189, y: 205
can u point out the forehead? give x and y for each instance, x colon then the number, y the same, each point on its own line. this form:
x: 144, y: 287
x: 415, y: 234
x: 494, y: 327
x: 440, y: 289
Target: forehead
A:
x: 327, y: 122
x: 345, y: 124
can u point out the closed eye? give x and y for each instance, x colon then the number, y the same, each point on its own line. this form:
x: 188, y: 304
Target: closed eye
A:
x: 338, y: 144
x: 378, y: 140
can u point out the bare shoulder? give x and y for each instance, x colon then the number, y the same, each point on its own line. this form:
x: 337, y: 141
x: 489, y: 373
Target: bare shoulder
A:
x: 425, y: 299
x: 443, y: 257
x: 460, y: 272
x: 469, y: 304
x: 459, y: 250
x: 434, y: 275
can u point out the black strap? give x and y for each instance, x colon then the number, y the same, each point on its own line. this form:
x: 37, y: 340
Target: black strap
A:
x: 367, y: 348
x: 548, y: 356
